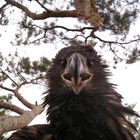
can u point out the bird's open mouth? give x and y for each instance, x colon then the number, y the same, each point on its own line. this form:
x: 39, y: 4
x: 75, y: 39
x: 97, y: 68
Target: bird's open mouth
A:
x: 76, y: 74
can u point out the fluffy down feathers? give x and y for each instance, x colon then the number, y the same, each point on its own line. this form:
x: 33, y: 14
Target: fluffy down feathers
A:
x: 92, y: 112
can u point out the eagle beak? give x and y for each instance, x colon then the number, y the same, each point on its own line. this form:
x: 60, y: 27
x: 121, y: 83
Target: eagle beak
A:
x: 76, y: 74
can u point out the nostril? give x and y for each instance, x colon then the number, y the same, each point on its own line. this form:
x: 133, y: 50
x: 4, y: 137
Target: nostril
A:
x: 85, y: 76
x: 67, y: 76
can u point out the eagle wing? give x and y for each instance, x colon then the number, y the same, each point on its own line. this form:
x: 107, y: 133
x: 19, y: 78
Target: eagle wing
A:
x: 34, y: 132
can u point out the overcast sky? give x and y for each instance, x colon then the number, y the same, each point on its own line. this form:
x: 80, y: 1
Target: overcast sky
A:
x: 126, y: 76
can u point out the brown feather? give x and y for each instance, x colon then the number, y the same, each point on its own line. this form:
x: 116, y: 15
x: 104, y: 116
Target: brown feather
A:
x: 95, y: 113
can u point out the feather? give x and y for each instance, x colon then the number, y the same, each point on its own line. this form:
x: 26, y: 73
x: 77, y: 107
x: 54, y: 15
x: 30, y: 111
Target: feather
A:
x: 82, y: 108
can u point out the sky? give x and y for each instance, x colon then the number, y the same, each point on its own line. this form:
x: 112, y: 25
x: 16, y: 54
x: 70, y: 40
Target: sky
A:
x: 126, y: 76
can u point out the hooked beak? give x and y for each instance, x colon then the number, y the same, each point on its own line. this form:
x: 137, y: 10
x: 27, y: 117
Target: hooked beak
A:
x: 76, y: 74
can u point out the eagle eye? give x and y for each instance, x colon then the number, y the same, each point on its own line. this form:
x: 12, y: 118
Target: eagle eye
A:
x: 63, y: 63
x: 90, y: 63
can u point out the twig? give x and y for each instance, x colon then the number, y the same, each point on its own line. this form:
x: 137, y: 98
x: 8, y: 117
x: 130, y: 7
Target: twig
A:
x: 92, y: 34
x: 115, y: 42
x: 2, y: 7
x: 113, y: 51
x: 22, y: 77
x: 65, y: 28
x: 8, y: 77
x: 68, y: 29
x: 134, y: 1
x: 5, y: 88
x: 38, y: 39
x: 21, y: 99
x: 62, y: 27
x: 11, y: 107
x: 42, y: 6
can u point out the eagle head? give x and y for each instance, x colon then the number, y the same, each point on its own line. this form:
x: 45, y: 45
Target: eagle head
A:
x: 77, y: 69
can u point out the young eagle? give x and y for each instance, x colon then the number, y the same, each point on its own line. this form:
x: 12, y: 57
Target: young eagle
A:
x: 82, y: 104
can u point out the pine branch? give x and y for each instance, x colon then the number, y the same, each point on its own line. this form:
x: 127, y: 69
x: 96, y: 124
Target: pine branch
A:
x: 9, y: 123
x: 43, y: 15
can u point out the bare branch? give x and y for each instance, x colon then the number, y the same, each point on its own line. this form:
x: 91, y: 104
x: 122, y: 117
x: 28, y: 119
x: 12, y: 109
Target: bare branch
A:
x: 17, y: 94
x: 22, y: 77
x: 2, y: 7
x: 5, y: 88
x: 16, y: 91
x: 56, y: 27
x: 46, y: 9
x: 92, y: 34
x: 11, y: 107
x: 8, y: 77
x: 43, y: 15
x: 65, y: 28
x: 44, y: 35
x: 115, y: 42
x: 113, y: 51
x: 21, y: 99
x: 132, y: 2
x: 73, y: 30
x: 8, y: 123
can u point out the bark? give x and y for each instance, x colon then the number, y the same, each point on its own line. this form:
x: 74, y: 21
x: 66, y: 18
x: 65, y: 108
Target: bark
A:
x: 11, y: 107
x: 8, y: 123
x: 87, y: 11
x: 45, y: 14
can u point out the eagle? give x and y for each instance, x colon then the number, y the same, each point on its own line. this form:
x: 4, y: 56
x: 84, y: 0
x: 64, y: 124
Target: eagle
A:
x: 81, y: 102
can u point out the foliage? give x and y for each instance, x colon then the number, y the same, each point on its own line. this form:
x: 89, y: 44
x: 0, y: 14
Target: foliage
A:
x: 135, y: 56
x: 118, y: 15
x: 16, y: 72
x: 21, y: 68
x: 135, y: 120
x: 35, y: 25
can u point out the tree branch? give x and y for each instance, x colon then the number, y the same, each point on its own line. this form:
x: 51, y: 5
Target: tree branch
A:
x: 43, y: 15
x: 5, y: 88
x: 9, y: 123
x: 68, y: 29
x: 113, y: 51
x: 57, y: 27
x: 8, y: 76
x: 38, y: 39
x: 115, y: 42
x: 2, y: 7
x: 46, y: 9
x: 16, y: 91
x: 17, y: 94
x: 11, y: 107
x: 21, y: 99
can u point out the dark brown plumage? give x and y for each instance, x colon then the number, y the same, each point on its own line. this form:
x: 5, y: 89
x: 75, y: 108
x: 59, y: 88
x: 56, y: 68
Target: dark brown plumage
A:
x: 83, y: 105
